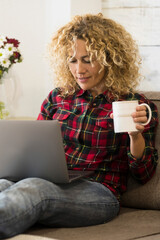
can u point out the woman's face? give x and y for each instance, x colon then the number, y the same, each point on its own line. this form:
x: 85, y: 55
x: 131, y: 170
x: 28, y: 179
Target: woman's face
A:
x: 88, y: 76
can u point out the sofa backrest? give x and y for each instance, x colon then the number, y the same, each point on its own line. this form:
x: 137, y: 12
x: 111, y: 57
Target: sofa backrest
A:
x: 155, y: 97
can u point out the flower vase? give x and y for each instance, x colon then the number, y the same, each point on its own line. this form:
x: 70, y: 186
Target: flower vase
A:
x: 7, y: 92
x: 4, y: 112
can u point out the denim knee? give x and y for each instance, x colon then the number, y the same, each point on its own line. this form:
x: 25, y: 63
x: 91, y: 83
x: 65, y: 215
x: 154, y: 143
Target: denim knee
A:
x: 21, y: 206
x: 4, y: 184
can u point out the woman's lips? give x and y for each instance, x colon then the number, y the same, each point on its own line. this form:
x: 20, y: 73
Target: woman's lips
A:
x: 83, y: 79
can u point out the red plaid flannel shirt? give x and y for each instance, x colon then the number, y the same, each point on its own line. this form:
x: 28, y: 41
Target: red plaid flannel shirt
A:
x: 90, y: 142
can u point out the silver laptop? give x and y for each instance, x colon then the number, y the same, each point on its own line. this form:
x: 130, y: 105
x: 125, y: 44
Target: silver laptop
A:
x: 34, y: 149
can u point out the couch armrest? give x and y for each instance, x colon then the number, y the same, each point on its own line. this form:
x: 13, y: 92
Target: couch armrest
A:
x: 147, y: 195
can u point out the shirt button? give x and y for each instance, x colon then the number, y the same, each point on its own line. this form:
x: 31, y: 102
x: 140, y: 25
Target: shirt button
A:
x: 94, y: 104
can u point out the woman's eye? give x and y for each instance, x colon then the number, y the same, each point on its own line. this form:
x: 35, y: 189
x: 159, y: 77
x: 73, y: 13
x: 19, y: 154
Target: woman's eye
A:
x: 87, y: 61
x: 72, y: 60
x: 84, y: 60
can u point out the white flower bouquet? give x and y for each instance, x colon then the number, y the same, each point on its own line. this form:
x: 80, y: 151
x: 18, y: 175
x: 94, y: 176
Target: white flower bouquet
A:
x: 9, y: 54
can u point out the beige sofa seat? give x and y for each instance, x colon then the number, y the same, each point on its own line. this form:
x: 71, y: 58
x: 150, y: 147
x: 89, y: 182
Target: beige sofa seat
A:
x: 139, y: 217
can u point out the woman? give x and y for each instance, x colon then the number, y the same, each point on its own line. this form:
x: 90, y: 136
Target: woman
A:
x: 95, y: 62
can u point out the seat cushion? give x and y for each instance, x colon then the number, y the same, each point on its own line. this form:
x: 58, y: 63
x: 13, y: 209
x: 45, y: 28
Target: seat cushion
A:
x: 130, y: 224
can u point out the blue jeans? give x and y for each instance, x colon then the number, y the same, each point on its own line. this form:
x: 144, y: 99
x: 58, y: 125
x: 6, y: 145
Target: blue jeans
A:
x: 80, y: 203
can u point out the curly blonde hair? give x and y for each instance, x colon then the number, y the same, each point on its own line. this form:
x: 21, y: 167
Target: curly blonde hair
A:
x: 112, y: 45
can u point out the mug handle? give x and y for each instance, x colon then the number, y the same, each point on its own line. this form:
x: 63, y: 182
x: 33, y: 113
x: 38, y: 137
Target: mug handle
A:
x: 149, y: 111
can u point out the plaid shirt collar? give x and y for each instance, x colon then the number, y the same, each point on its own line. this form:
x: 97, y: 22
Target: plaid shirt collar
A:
x: 106, y: 94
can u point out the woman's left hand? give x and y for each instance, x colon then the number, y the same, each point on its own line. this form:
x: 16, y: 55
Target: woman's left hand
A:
x: 139, y: 117
x: 137, y: 142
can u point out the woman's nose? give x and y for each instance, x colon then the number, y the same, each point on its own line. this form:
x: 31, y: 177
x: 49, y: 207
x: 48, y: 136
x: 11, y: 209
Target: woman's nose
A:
x: 80, y: 67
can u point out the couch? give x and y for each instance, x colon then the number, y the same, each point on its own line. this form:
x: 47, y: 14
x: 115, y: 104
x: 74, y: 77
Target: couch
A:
x: 139, y: 216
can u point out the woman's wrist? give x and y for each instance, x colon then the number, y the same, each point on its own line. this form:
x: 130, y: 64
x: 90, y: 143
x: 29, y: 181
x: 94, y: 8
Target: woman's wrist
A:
x: 137, y: 144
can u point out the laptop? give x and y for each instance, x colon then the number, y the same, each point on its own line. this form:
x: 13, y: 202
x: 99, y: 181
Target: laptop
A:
x: 34, y: 149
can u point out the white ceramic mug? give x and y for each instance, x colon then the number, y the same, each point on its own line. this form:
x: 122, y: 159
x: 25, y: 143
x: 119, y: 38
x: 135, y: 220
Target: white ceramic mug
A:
x: 123, y: 121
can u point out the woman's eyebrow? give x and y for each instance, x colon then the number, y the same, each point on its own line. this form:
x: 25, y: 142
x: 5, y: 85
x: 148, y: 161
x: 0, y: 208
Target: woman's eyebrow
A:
x: 81, y: 56
x: 85, y: 56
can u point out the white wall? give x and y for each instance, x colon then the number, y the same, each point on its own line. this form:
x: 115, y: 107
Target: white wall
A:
x: 24, y: 20
x: 32, y: 22
x: 85, y: 6
x: 141, y: 18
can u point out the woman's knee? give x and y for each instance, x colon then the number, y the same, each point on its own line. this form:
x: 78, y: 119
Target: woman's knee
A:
x: 38, y: 187
x: 36, y: 183
x: 4, y: 184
